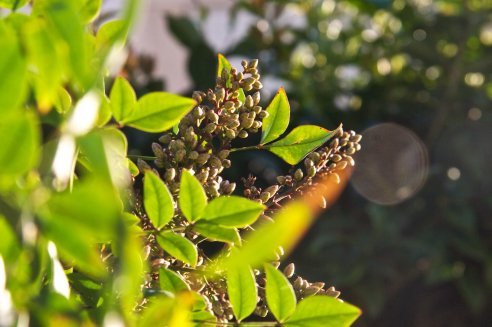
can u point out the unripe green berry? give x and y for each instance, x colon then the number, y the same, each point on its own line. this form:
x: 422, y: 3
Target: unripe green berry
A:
x: 213, y: 117
x: 298, y: 175
x: 210, y: 128
x: 193, y: 155
x: 289, y: 270
x: 230, y: 134
x: 311, y: 171
x: 265, y: 196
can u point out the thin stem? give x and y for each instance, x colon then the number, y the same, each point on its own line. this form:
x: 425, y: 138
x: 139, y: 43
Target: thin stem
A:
x: 141, y: 157
x: 246, y: 148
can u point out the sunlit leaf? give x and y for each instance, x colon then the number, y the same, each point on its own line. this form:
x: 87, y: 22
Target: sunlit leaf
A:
x: 171, y: 281
x: 300, y: 142
x: 123, y: 99
x: 111, y: 32
x: 217, y: 232
x: 323, y: 311
x: 241, y: 288
x: 159, y: 111
x: 169, y: 312
x: 287, y: 229
x: 192, y: 198
x: 280, y: 295
x: 232, y: 211
x: 20, y: 137
x: 178, y: 246
x: 278, y: 119
x: 158, y: 202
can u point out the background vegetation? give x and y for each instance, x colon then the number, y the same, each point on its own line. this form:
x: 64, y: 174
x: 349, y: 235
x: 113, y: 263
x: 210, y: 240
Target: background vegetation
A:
x: 425, y: 65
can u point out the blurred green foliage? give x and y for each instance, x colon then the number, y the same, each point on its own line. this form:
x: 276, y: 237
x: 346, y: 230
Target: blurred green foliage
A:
x: 426, y: 66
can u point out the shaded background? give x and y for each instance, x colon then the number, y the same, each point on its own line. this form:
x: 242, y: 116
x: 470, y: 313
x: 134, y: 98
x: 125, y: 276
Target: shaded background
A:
x: 410, y: 240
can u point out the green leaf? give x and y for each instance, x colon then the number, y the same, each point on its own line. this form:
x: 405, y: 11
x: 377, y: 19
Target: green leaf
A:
x: 323, y: 311
x: 123, y: 99
x: 159, y: 111
x: 179, y: 247
x: 158, y: 202
x: 278, y: 119
x: 280, y: 295
x: 241, y: 288
x: 88, y: 9
x: 104, y: 114
x: 223, y: 63
x: 232, y: 211
x: 300, y: 142
x: 111, y: 32
x: 20, y: 137
x: 132, y: 167
x: 288, y: 227
x: 217, y: 232
x: 192, y: 197
x: 171, y: 281
x: 13, y: 69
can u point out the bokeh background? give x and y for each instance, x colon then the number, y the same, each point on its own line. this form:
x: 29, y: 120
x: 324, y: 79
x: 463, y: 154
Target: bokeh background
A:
x: 410, y: 240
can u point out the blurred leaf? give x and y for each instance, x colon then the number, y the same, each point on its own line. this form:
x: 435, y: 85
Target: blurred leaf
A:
x: 178, y: 246
x: 13, y: 69
x: 111, y: 32
x: 184, y: 30
x: 192, y: 197
x: 123, y: 99
x: 259, y: 247
x: 241, y: 289
x: 172, y: 282
x: 278, y: 119
x: 168, y: 312
x: 88, y: 9
x: 300, y: 142
x: 203, y: 316
x: 9, y: 246
x: 104, y: 113
x: 232, y: 211
x: 158, y: 202
x: 323, y: 311
x: 45, y: 53
x: 132, y: 167
x: 63, y: 101
x: 217, y: 232
x: 280, y: 295
x: 159, y: 111
x: 20, y: 137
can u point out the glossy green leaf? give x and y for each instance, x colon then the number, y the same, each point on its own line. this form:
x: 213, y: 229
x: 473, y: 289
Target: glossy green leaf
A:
x: 232, y: 211
x: 158, y: 202
x: 300, y: 142
x: 288, y: 227
x: 20, y: 137
x: 280, y: 295
x: 123, y: 99
x: 278, y: 119
x: 13, y: 70
x: 179, y: 247
x: 192, y: 198
x: 241, y: 288
x: 171, y: 281
x: 159, y: 111
x: 323, y: 311
x: 217, y: 232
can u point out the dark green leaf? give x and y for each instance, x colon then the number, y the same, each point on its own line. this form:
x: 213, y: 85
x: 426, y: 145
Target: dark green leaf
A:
x: 278, y: 119
x: 280, y: 295
x: 158, y: 202
x: 159, y: 111
x: 232, y: 211
x: 179, y: 247
x: 241, y: 288
x: 323, y: 311
x: 192, y: 197
x: 171, y: 281
x: 123, y: 99
x: 300, y: 142
x: 217, y: 233
x: 20, y: 136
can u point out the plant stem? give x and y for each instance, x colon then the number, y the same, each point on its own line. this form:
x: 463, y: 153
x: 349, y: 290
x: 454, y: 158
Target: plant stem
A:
x: 253, y: 147
x: 141, y: 157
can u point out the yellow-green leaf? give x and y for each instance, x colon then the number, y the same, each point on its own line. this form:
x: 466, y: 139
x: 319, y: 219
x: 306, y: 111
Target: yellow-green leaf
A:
x: 323, y: 311
x: 278, y: 119
x: 192, y: 198
x: 171, y: 281
x: 232, y: 211
x: 217, y: 232
x: 300, y: 142
x: 280, y: 295
x: 241, y: 288
x: 159, y: 111
x: 158, y: 202
x: 178, y: 246
x: 123, y: 99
